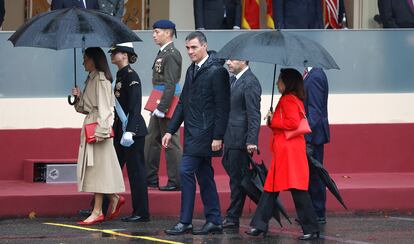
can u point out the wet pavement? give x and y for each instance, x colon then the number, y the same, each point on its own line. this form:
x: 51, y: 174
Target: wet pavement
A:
x: 356, y: 228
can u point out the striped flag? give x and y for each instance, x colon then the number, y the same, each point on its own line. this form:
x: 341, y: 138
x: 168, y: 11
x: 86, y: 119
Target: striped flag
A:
x: 330, y: 12
x: 269, y: 14
x: 251, y: 14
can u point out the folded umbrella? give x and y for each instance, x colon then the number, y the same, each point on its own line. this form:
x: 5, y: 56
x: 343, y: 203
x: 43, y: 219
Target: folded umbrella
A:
x: 252, y: 184
x: 72, y: 28
x: 314, y: 164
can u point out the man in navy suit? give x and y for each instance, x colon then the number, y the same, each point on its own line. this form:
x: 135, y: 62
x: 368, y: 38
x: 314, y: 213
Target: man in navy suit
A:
x: 89, y: 4
x: 217, y: 14
x: 298, y: 14
x: 316, y: 106
x: 241, y: 137
x: 396, y: 13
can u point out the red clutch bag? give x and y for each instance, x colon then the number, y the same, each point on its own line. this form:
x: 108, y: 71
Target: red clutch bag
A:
x: 155, y: 99
x: 90, y: 132
x: 303, y: 128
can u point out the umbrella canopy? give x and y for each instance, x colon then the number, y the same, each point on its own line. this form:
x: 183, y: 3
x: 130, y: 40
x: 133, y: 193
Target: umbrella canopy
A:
x: 252, y: 184
x: 323, y: 174
x: 277, y: 47
x: 72, y: 28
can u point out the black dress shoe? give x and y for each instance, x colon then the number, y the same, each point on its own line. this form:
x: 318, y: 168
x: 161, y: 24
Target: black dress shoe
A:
x: 85, y: 212
x: 227, y: 224
x: 135, y: 218
x: 169, y: 188
x: 208, y: 228
x: 312, y: 236
x: 179, y: 229
x: 152, y: 185
x: 255, y: 232
x: 321, y: 220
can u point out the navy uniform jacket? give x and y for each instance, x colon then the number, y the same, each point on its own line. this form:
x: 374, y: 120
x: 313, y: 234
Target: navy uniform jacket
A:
x: 128, y: 91
x: 316, y: 106
x: 59, y: 4
x: 204, y: 108
x: 298, y: 14
x: 396, y: 13
x: 244, y: 120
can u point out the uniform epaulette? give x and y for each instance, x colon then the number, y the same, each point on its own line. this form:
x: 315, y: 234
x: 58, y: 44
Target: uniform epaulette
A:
x: 130, y: 71
x: 133, y: 83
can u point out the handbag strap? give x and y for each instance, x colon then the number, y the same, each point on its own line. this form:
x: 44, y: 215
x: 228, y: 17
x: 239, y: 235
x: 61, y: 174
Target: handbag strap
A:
x: 300, y: 107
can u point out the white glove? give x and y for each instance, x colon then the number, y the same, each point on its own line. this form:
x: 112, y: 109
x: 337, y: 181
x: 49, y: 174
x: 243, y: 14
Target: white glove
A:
x: 158, y: 113
x: 126, y: 139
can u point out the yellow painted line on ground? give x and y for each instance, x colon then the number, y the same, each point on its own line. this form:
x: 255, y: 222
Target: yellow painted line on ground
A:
x: 148, y: 238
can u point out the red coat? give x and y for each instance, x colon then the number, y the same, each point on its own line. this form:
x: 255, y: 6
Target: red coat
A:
x: 289, y: 166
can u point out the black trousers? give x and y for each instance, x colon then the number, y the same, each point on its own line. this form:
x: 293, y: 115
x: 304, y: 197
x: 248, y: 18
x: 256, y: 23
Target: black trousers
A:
x: 317, y: 189
x: 303, y: 205
x: 133, y: 157
x: 236, y: 163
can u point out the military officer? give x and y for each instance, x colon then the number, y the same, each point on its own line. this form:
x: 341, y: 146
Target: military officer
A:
x: 166, y: 73
x: 112, y: 7
x: 130, y: 129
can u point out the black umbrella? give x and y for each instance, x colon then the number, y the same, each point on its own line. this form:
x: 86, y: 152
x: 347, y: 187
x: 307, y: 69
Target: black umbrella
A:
x: 315, y: 165
x: 72, y: 28
x: 252, y: 184
x: 277, y: 47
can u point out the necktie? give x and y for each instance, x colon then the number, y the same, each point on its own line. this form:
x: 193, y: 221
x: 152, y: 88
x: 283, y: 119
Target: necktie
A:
x: 196, y: 68
x: 305, y: 73
x: 232, y: 81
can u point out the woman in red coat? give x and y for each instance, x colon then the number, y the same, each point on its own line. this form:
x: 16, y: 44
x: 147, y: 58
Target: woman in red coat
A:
x: 289, y: 167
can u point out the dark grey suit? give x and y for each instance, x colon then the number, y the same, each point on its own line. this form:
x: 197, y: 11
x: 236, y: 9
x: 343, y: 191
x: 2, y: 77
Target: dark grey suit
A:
x: 242, y: 129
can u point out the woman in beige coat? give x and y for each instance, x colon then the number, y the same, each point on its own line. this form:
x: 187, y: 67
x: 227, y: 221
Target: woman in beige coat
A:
x: 98, y: 169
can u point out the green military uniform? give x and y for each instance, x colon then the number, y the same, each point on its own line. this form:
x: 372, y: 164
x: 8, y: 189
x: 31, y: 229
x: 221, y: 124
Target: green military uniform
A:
x: 166, y: 74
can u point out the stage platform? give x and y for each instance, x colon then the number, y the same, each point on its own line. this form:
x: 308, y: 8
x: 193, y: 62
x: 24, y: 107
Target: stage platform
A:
x: 361, y: 192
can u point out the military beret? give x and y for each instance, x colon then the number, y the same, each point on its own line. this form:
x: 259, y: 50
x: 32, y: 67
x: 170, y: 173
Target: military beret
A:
x: 164, y: 24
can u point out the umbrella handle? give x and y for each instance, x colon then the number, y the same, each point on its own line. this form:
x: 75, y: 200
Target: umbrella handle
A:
x: 74, y: 100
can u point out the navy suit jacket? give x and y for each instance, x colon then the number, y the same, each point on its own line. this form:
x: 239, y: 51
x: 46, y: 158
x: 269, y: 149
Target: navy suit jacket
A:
x: 59, y: 4
x: 2, y: 12
x: 316, y: 106
x: 209, y: 14
x: 396, y: 13
x: 298, y: 14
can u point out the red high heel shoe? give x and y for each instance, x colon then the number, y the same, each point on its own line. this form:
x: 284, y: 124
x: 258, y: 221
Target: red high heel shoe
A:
x: 98, y: 219
x: 115, y: 213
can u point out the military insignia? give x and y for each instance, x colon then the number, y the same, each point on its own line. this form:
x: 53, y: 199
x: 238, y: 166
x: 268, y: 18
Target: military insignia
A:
x: 117, y: 94
x: 118, y: 85
x: 158, y: 65
x: 133, y: 83
x: 130, y: 71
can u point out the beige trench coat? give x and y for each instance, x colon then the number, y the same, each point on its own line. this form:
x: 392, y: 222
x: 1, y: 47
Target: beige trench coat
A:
x: 98, y: 168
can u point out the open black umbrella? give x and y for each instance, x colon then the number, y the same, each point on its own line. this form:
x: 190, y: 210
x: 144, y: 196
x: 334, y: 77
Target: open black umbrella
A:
x: 277, y: 47
x: 72, y: 28
x: 252, y: 184
x: 315, y: 165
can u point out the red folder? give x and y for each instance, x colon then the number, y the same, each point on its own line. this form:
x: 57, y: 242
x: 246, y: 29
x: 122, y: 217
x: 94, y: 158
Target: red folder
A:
x: 155, y: 99
x: 90, y: 132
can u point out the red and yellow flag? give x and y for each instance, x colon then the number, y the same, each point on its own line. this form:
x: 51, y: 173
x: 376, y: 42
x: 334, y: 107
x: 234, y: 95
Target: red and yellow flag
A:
x: 250, y: 14
x: 270, y: 23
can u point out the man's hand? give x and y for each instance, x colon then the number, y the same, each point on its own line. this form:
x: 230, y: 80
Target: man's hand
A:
x: 158, y: 113
x: 251, y: 148
x: 166, y: 140
x: 216, y: 145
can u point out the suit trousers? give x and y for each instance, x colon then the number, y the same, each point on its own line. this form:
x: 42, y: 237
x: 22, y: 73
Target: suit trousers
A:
x: 236, y: 164
x: 200, y: 167
x: 303, y: 205
x: 133, y: 157
x: 156, y: 130
x: 317, y: 189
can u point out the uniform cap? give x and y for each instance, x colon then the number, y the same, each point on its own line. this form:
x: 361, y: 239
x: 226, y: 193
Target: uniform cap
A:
x: 126, y: 47
x: 165, y: 24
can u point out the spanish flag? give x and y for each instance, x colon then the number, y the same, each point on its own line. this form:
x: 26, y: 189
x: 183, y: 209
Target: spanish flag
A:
x: 269, y: 14
x: 251, y: 14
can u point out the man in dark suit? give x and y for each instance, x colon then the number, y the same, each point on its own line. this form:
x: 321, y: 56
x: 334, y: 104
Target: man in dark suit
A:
x: 204, y: 108
x: 217, y: 14
x: 2, y: 12
x: 242, y: 133
x: 130, y: 129
x: 396, y: 13
x: 298, y: 14
x: 316, y: 106
x: 89, y: 4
